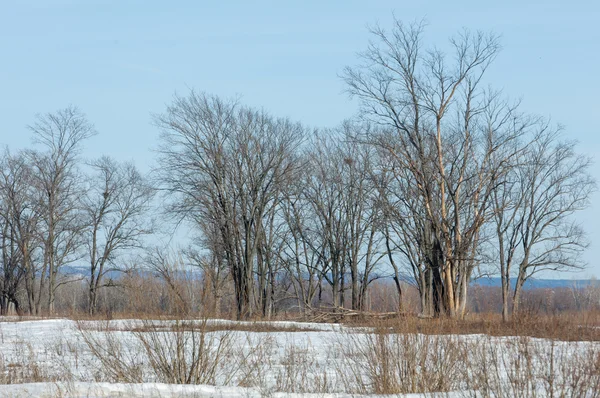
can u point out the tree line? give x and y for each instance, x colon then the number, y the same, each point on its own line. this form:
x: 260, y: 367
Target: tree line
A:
x: 437, y: 180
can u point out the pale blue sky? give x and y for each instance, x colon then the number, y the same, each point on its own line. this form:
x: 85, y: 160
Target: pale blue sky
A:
x: 121, y: 60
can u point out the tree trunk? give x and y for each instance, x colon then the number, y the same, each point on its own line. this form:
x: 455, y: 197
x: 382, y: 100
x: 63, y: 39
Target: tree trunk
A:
x: 399, y: 290
x: 93, y: 301
x: 355, y: 291
x: 517, y: 294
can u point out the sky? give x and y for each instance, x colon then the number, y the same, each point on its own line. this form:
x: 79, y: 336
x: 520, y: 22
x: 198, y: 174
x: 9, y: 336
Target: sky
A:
x: 122, y: 61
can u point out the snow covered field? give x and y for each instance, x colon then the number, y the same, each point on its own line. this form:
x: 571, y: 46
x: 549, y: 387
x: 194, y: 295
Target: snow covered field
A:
x: 135, y: 358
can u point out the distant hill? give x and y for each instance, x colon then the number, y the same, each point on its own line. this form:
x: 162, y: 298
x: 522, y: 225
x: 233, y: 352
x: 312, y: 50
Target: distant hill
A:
x: 533, y: 283
x: 84, y: 272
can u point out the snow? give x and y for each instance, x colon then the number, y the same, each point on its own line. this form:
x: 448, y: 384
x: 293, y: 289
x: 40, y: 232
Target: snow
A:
x: 127, y: 324
x: 57, y: 346
x: 302, y: 359
x: 156, y: 390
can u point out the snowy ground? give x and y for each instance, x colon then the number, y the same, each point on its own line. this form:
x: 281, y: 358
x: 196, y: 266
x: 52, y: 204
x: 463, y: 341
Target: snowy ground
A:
x: 308, y: 360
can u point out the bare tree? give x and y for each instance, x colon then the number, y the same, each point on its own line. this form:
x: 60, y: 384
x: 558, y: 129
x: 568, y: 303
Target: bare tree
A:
x: 344, y: 206
x: 226, y: 163
x: 403, y: 233
x: 304, y: 253
x: 363, y: 212
x: 533, y: 210
x: 116, y: 213
x: 325, y: 193
x: 434, y: 124
x: 61, y: 134
x: 170, y: 267
x: 18, y: 219
x: 214, y: 270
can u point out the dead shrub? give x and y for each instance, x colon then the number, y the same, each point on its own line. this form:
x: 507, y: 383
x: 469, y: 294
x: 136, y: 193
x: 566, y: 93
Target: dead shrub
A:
x: 390, y: 363
x: 21, y: 365
x: 300, y: 372
x: 254, y: 361
x: 526, y: 367
x: 185, y: 353
x: 120, y: 362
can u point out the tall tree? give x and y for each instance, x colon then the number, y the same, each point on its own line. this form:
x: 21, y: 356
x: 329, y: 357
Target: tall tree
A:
x: 116, y: 215
x: 61, y: 134
x: 533, y: 211
x: 18, y: 219
x: 324, y: 192
x: 435, y: 124
x: 226, y: 164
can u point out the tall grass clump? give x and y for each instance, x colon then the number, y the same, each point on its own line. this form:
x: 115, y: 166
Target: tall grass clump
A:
x: 177, y: 352
x: 391, y: 363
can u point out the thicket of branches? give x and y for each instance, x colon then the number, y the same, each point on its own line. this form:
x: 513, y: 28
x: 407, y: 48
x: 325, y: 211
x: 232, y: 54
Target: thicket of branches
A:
x: 438, y: 179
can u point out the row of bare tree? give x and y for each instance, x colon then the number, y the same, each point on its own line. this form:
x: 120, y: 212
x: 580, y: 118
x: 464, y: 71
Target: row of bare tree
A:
x: 52, y: 214
x: 472, y: 179
x: 438, y: 176
x: 437, y: 180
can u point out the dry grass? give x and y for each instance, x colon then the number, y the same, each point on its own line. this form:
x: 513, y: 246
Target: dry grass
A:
x: 22, y: 364
x: 183, y: 353
x: 584, y: 326
x: 526, y: 367
x: 191, y: 325
x: 380, y: 356
x: 476, y: 366
x: 186, y: 353
x: 384, y: 360
x: 565, y: 326
x: 300, y: 372
x: 389, y: 363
